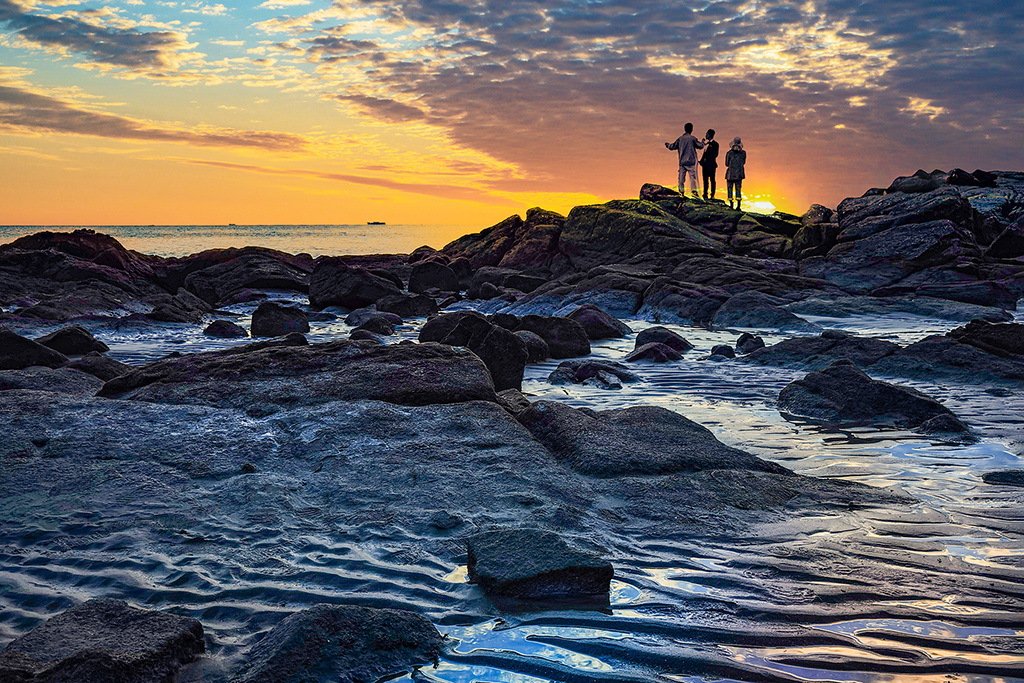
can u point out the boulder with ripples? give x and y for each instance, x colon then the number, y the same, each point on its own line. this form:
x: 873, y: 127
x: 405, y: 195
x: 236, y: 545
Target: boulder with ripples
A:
x: 17, y: 352
x: 285, y: 374
x: 98, y: 365
x: 334, y: 282
x: 598, y: 324
x: 662, y: 335
x: 73, y: 340
x: 565, y: 337
x: 104, y: 641
x: 844, y: 394
x: 274, y: 320
x: 655, y: 352
x: 535, y: 565
x: 59, y: 380
x: 633, y: 441
x: 225, y: 329
x: 342, y: 644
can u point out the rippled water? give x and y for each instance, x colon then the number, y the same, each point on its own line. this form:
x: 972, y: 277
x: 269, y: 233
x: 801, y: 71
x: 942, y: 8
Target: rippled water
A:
x: 933, y: 592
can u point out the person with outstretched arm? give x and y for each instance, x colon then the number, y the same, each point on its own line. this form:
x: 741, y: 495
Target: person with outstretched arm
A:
x: 687, y: 146
x: 735, y: 160
x: 709, y: 163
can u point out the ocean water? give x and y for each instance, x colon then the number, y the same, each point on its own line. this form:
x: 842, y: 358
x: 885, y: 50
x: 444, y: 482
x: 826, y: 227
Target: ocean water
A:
x: 929, y: 593
x: 317, y: 240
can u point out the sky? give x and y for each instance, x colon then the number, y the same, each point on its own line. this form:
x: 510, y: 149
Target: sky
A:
x: 467, y: 111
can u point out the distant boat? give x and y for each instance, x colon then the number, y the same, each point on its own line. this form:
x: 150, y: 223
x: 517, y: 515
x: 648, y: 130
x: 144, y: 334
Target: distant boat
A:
x: 376, y: 223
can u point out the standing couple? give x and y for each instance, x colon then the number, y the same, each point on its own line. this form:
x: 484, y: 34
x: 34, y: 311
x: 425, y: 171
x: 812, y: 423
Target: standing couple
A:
x: 735, y: 159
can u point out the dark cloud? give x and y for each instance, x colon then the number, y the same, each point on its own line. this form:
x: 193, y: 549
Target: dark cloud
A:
x: 387, y: 110
x: 117, y: 47
x: 25, y: 110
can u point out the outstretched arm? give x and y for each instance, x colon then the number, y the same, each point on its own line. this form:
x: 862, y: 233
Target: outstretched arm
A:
x: 672, y: 145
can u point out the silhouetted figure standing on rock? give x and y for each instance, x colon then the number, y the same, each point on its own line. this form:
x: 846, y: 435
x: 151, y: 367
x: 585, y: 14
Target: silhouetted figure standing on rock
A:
x: 735, y: 160
x: 687, y: 145
x: 709, y: 163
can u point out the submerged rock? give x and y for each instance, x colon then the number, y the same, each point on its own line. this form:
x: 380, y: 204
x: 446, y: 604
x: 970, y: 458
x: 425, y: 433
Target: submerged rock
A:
x: 531, y: 564
x: 343, y: 644
x: 104, y: 640
x: 604, y: 373
x: 1005, y: 339
x: 842, y: 393
x: 73, y: 340
x: 1004, y: 478
x: 654, y: 351
x: 225, y: 329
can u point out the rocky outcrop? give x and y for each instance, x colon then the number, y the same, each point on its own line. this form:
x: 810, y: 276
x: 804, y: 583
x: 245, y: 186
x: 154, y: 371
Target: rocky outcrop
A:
x: 761, y: 311
x: 226, y: 330
x: 1000, y: 339
x: 17, y: 353
x: 513, y: 243
x: 104, y: 640
x: 274, y: 320
x: 598, y: 324
x: 344, y: 643
x: 336, y: 283
x: 249, y: 270
x: 535, y: 565
x: 59, y: 380
x: 565, y: 337
x: 73, y: 340
x: 100, y: 366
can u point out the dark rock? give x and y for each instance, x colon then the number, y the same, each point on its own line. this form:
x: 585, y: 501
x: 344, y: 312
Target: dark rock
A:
x: 361, y: 315
x: 662, y: 335
x: 565, y: 337
x: 605, y: 372
x: 249, y: 270
x: 748, y: 343
x: 654, y: 351
x: 424, y: 253
x: 524, y: 283
x: 73, y: 340
x: 389, y: 275
x: 287, y: 374
x: 981, y: 293
x: 100, y: 366
x: 378, y: 324
x: 598, y: 324
x: 1000, y: 339
x: 335, y: 283
x: 104, y: 641
x: 757, y: 310
x: 816, y: 215
x: 942, y: 356
x: 57, y: 380
x: 819, y: 352
x: 723, y: 350
x: 360, y: 334
x: 242, y: 296
x: 536, y: 348
x: 439, y: 327
x: 641, y: 440
x: 485, y: 291
x: 463, y: 270
x: 469, y: 331
x: 530, y: 564
x: 507, y: 320
x: 513, y: 401
x: 919, y: 182
x: 656, y: 193
x: 415, y: 306
x: 225, y: 329
x: 427, y: 275
x: 343, y: 643
x: 842, y: 393
x: 1004, y: 478
x: 274, y: 320
x: 505, y: 355
x: 17, y: 353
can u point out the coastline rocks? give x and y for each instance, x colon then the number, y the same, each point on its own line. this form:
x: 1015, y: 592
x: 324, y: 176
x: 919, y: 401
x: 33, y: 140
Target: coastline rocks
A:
x: 251, y: 269
x: 429, y: 274
x: 1004, y: 478
x: 654, y: 351
x: 598, y: 324
x: 602, y: 373
x: 748, y: 343
x: 505, y: 355
x: 1000, y: 339
x: 100, y: 366
x: 225, y: 329
x: 335, y: 283
x: 721, y: 351
x: 536, y: 348
x: 377, y: 324
x: 281, y: 373
x: 512, y: 243
x: 842, y: 393
x: 818, y: 352
x: 343, y: 643
x: 73, y: 340
x: 942, y: 356
x: 415, y: 306
x: 104, y: 640
x: 662, y: 335
x: 18, y: 353
x: 58, y: 380
x: 274, y: 320
x: 565, y: 337
x: 531, y: 564
x: 757, y: 310
x: 641, y: 440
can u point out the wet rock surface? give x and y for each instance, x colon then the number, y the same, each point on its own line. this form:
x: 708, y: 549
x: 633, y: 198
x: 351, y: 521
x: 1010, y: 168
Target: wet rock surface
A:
x: 104, y: 640
x: 274, y: 320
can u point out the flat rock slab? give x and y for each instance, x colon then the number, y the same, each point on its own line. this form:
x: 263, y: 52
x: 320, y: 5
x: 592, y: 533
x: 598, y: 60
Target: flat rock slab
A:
x: 104, y: 641
x: 530, y: 564
x: 58, y: 380
x: 408, y: 374
x: 342, y: 644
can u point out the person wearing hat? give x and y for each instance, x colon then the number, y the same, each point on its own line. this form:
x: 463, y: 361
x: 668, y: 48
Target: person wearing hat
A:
x: 687, y: 145
x: 735, y: 159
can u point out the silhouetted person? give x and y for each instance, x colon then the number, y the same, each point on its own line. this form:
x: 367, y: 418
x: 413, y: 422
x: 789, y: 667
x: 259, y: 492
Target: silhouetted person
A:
x: 709, y: 163
x: 687, y: 146
x: 735, y: 160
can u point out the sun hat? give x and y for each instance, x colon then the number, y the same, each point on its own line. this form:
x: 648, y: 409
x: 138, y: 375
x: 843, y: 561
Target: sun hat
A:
x: 736, y: 141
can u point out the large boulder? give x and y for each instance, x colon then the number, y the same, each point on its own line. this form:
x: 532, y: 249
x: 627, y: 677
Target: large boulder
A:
x: 598, y: 324
x: 336, y: 283
x: 843, y: 394
x: 531, y: 564
x: 565, y: 337
x: 274, y: 320
x: 17, y: 352
x: 73, y: 340
x: 642, y: 440
x: 1000, y: 339
x: 343, y: 644
x: 415, y: 306
x: 226, y: 329
x: 428, y: 274
x: 58, y: 380
x: 251, y: 270
x: 761, y: 311
x: 98, y: 365
x: 662, y: 335
x: 281, y: 373
x: 104, y: 641
x: 536, y: 348
x: 505, y: 355
x: 653, y: 351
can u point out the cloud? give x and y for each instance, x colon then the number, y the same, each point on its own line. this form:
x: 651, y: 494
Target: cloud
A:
x: 281, y: 4
x: 25, y: 111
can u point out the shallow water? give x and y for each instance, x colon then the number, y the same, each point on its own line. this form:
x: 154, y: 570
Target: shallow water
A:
x: 934, y: 592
